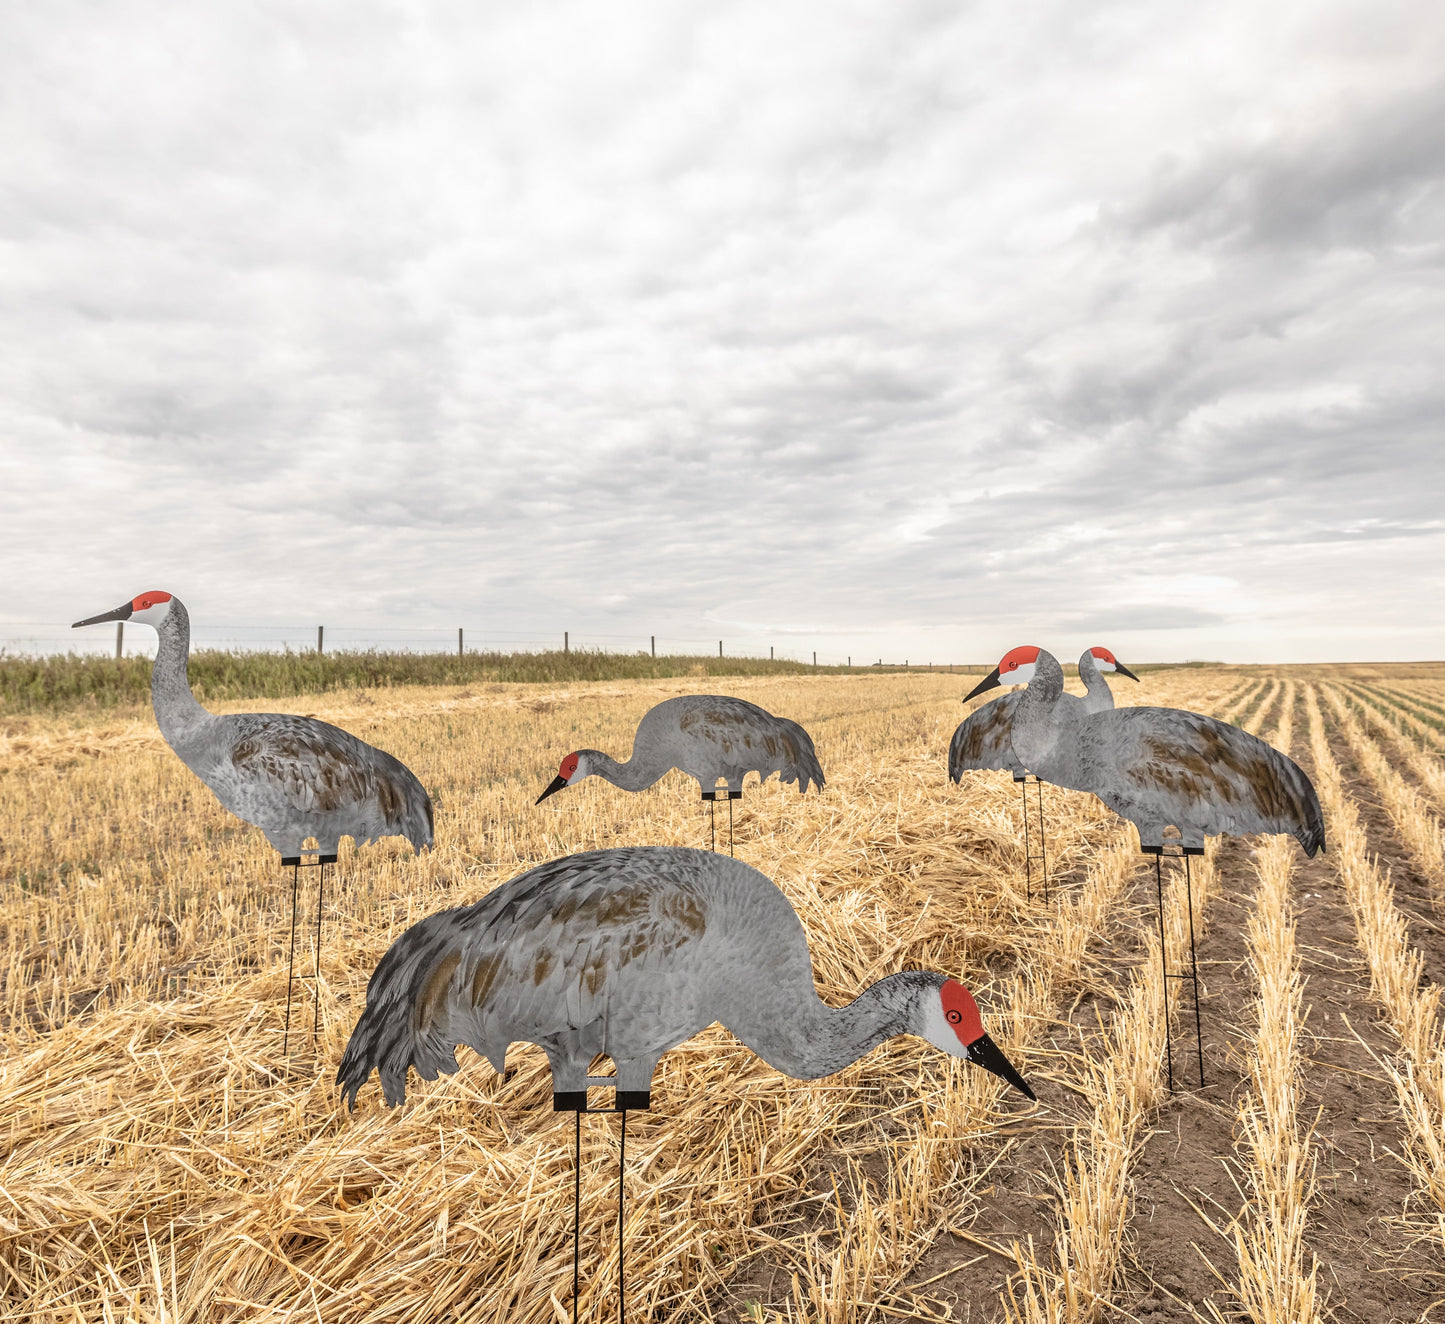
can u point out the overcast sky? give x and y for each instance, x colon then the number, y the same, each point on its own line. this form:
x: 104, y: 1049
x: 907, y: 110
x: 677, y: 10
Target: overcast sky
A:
x: 900, y: 329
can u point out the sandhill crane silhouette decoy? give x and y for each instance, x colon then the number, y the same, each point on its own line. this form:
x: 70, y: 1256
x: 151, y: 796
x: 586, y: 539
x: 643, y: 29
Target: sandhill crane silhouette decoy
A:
x: 707, y: 736
x: 983, y: 741
x: 1158, y: 768
x: 293, y: 777
x: 629, y: 952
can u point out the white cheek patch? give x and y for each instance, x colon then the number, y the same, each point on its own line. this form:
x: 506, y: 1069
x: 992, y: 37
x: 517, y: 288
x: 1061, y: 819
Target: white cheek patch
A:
x: 1023, y: 675
x: 153, y: 615
x: 939, y: 1032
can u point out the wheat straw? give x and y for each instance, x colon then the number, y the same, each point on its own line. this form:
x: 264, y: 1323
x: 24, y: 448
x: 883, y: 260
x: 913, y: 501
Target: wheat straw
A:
x: 1411, y: 1003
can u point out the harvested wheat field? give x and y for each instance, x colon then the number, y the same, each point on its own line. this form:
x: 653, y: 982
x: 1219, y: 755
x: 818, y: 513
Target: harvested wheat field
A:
x: 164, y: 1161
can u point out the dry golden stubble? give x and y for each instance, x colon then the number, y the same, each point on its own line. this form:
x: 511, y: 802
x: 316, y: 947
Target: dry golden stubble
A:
x: 1411, y: 1004
x: 151, y: 1128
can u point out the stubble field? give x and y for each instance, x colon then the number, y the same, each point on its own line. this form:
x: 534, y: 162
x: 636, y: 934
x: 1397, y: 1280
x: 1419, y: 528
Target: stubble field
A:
x: 163, y: 1160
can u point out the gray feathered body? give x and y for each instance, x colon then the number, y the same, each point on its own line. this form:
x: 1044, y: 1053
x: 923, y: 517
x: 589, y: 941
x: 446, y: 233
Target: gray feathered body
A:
x: 712, y: 736
x: 292, y: 777
x: 1159, y: 767
x: 982, y: 740
x: 624, y: 952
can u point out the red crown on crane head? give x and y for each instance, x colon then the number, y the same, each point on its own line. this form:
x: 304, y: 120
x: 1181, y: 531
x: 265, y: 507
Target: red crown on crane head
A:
x: 1015, y: 658
x: 1104, y: 655
x: 961, y: 1012
x: 151, y: 598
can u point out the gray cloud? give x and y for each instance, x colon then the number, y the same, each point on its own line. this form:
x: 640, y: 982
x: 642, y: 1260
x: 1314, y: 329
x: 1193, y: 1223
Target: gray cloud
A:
x: 913, y: 329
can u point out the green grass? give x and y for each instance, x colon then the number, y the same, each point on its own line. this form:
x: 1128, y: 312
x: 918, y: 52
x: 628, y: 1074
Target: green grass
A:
x: 49, y: 684
x: 64, y: 682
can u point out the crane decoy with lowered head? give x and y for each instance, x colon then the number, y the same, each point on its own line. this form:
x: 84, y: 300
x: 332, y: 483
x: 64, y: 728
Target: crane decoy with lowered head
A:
x: 629, y: 952
x: 292, y: 777
x: 709, y: 737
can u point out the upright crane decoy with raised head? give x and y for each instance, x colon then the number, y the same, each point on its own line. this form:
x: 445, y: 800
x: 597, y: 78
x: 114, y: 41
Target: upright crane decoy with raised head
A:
x: 1092, y: 663
x: 1157, y: 768
x: 983, y: 740
x: 629, y: 952
x: 707, y: 736
x: 292, y: 777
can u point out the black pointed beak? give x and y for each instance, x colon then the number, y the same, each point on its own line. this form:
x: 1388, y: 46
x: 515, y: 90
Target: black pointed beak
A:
x: 1124, y: 671
x: 989, y: 1056
x: 121, y: 613
x: 557, y: 784
x: 990, y: 681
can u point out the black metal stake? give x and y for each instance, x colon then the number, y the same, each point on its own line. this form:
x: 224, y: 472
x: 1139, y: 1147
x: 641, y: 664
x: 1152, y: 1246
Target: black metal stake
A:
x: 1043, y: 840
x: 296, y: 864
x: 316, y: 964
x: 291, y: 966
x: 1028, y: 842
x: 1193, y: 975
x: 576, y: 1211
x: 578, y: 1104
x: 712, y: 797
x: 1164, y: 964
x: 621, y: 1174
x: 1194, y: 971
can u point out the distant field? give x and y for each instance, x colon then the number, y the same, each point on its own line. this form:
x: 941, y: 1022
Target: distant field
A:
x: 39, y: 684
x: 62, y: 682
x: 159, y: 1160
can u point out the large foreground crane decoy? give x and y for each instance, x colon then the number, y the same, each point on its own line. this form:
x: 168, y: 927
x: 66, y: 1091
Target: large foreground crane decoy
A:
x: 1158, y: 768
x: 983, y: 740
x: 628, y: 953
x: 293, y: 777
x: 709, y: 737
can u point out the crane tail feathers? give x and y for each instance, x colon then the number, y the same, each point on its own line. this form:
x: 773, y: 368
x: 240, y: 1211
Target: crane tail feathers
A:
x: 406, y: 1018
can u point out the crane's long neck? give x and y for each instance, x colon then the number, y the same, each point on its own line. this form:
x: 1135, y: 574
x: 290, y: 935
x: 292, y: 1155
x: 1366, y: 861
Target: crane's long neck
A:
x: 178, y: 714
x: 1038, y: 719
x: 637, y: 774
x: 1093, y: 678
x: 807, y: 1038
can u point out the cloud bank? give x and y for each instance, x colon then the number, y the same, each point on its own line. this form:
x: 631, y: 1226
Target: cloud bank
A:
x: 887, y: 330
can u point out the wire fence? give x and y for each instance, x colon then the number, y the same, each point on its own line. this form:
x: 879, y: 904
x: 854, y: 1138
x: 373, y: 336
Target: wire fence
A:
x: 49, y: 638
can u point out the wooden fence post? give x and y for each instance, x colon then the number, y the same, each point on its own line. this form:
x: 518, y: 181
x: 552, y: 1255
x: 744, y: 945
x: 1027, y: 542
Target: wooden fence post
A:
x: 320, y: 635
x: 566, y: 642
x: 459, y: 641
x: 654, y: 645
x: 719, y: 647
x: 119, y: 638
